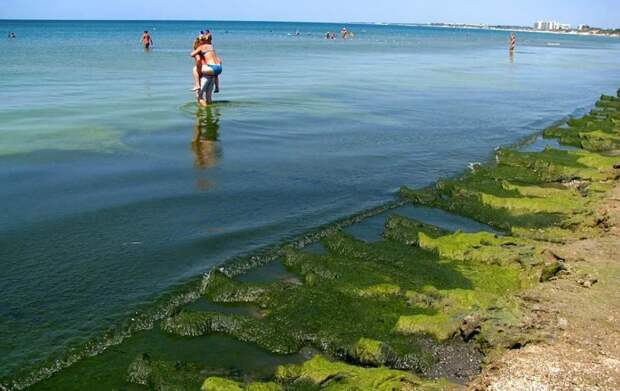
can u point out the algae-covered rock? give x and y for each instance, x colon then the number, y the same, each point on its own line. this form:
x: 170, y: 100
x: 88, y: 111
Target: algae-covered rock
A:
x: 220, y: 384
x: 163, y: 375
x: 506, y: 326
x: 597, y: 131
x: 518, y: 192
x: 370, y: 303
x: 470, y: 326
x: 332, y: 376
x: 408, y: 231
x: 140, y: 370
x: 441, y: 327
x: 262, y: 333
x: 371, y: 352
x: 222, y: 289
x: 380, y: 290
x: 552, y: 265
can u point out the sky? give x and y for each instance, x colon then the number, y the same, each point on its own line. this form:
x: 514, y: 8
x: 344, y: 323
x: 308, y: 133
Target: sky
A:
x: 602, y: 13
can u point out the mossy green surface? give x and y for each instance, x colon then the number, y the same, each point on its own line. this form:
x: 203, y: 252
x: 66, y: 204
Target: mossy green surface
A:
x: 220, y: 384
x: 336, y: 376
x: 597, y: 131
x: 523, y: 191
x: 162, y: 375
x: 320, y: 373
x: 370, y: 304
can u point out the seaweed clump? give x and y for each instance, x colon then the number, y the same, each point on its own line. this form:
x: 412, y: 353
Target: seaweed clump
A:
x: 373, y: 304
x: 597, y: 131
x: 320, y: 373
x: 541, y: 195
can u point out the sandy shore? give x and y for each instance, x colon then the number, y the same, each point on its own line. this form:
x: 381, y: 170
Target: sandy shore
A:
x: 581, y: 311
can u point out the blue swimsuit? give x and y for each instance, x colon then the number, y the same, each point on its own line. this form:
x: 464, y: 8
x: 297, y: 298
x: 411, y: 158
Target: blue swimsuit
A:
x: 216, y: 68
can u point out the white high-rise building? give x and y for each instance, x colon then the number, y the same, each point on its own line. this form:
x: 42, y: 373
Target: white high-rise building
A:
x: 550, y: 25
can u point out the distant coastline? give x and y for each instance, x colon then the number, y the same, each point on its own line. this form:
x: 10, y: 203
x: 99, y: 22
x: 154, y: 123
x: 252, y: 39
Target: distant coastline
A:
x: 599, y: 32
x: 593, y: 32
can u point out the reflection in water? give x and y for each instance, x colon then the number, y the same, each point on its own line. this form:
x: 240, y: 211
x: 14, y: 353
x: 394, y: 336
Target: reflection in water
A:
x: 512, y: 57
x: 205, y: 144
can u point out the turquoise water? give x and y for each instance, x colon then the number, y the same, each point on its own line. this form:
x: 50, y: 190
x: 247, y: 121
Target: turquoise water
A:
x: 115, y: 189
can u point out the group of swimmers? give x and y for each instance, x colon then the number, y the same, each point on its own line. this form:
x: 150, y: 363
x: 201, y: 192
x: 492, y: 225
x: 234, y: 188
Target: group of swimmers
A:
x: 344, y: 34
x: 208, y: 65
x: 12, y: 35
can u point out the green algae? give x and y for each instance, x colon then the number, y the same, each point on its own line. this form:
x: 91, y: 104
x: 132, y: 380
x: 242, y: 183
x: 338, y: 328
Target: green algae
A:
x: 220, y: 384
x: 368, y: 303
x: 339, y: 376
x: 518, y: 191
x: 483, y: 247
x: 222, y: 289
x: 372, y: 353
x: 597, y: 131
x: 162, y: 375
x: 320, y: 373
x: 371, y: 304
x: 377, y: 306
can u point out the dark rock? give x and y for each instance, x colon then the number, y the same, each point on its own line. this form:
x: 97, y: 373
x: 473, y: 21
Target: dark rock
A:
x: 470, y: 327
x: 553, y: 265
x: 587, y: 281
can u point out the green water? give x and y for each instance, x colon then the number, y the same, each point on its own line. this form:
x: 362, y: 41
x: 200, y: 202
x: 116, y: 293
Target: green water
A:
x: 115, y: 190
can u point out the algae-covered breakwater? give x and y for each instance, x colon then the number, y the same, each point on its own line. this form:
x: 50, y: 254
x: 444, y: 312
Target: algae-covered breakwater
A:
x: 385, y: 315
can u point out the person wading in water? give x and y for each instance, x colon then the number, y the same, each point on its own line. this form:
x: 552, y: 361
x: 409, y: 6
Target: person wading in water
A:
x: 146, y: 40
x: 513, y: 43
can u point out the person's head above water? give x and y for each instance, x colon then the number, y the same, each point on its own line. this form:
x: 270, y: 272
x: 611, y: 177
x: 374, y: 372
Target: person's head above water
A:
x: 206, y: 38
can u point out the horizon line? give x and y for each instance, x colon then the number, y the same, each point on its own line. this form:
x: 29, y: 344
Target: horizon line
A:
x: 247, y: 20
x: 430, y: 23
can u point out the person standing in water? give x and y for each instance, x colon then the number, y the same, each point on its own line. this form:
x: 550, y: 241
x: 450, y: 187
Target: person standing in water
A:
x: 512, y: 45
x: 208, y: 67
x: 146, y: 40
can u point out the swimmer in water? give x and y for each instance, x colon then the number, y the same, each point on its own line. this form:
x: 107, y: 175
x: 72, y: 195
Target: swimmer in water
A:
x: 146, y: 40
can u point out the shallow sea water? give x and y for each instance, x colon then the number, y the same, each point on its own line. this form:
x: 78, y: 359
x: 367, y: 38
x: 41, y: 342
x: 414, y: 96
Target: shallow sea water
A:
x: 114, y: 188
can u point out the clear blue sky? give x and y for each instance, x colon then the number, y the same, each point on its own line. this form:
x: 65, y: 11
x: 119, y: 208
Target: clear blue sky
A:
x: 604, y: 13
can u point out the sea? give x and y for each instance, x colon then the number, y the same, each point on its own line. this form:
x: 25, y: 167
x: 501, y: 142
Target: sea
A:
x: 115, y: 190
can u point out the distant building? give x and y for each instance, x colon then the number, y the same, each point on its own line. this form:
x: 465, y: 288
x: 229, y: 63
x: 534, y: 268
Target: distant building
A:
x: 583, y: 27
x: 550, y: 25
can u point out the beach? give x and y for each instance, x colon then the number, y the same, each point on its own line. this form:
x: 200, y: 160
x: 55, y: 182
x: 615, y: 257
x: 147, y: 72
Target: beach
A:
x: 113, y: 216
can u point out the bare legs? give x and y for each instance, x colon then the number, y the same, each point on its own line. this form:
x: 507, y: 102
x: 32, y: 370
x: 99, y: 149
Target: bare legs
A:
x: 217, y: 84
x: 206, y: 71
x: 196, y: 74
